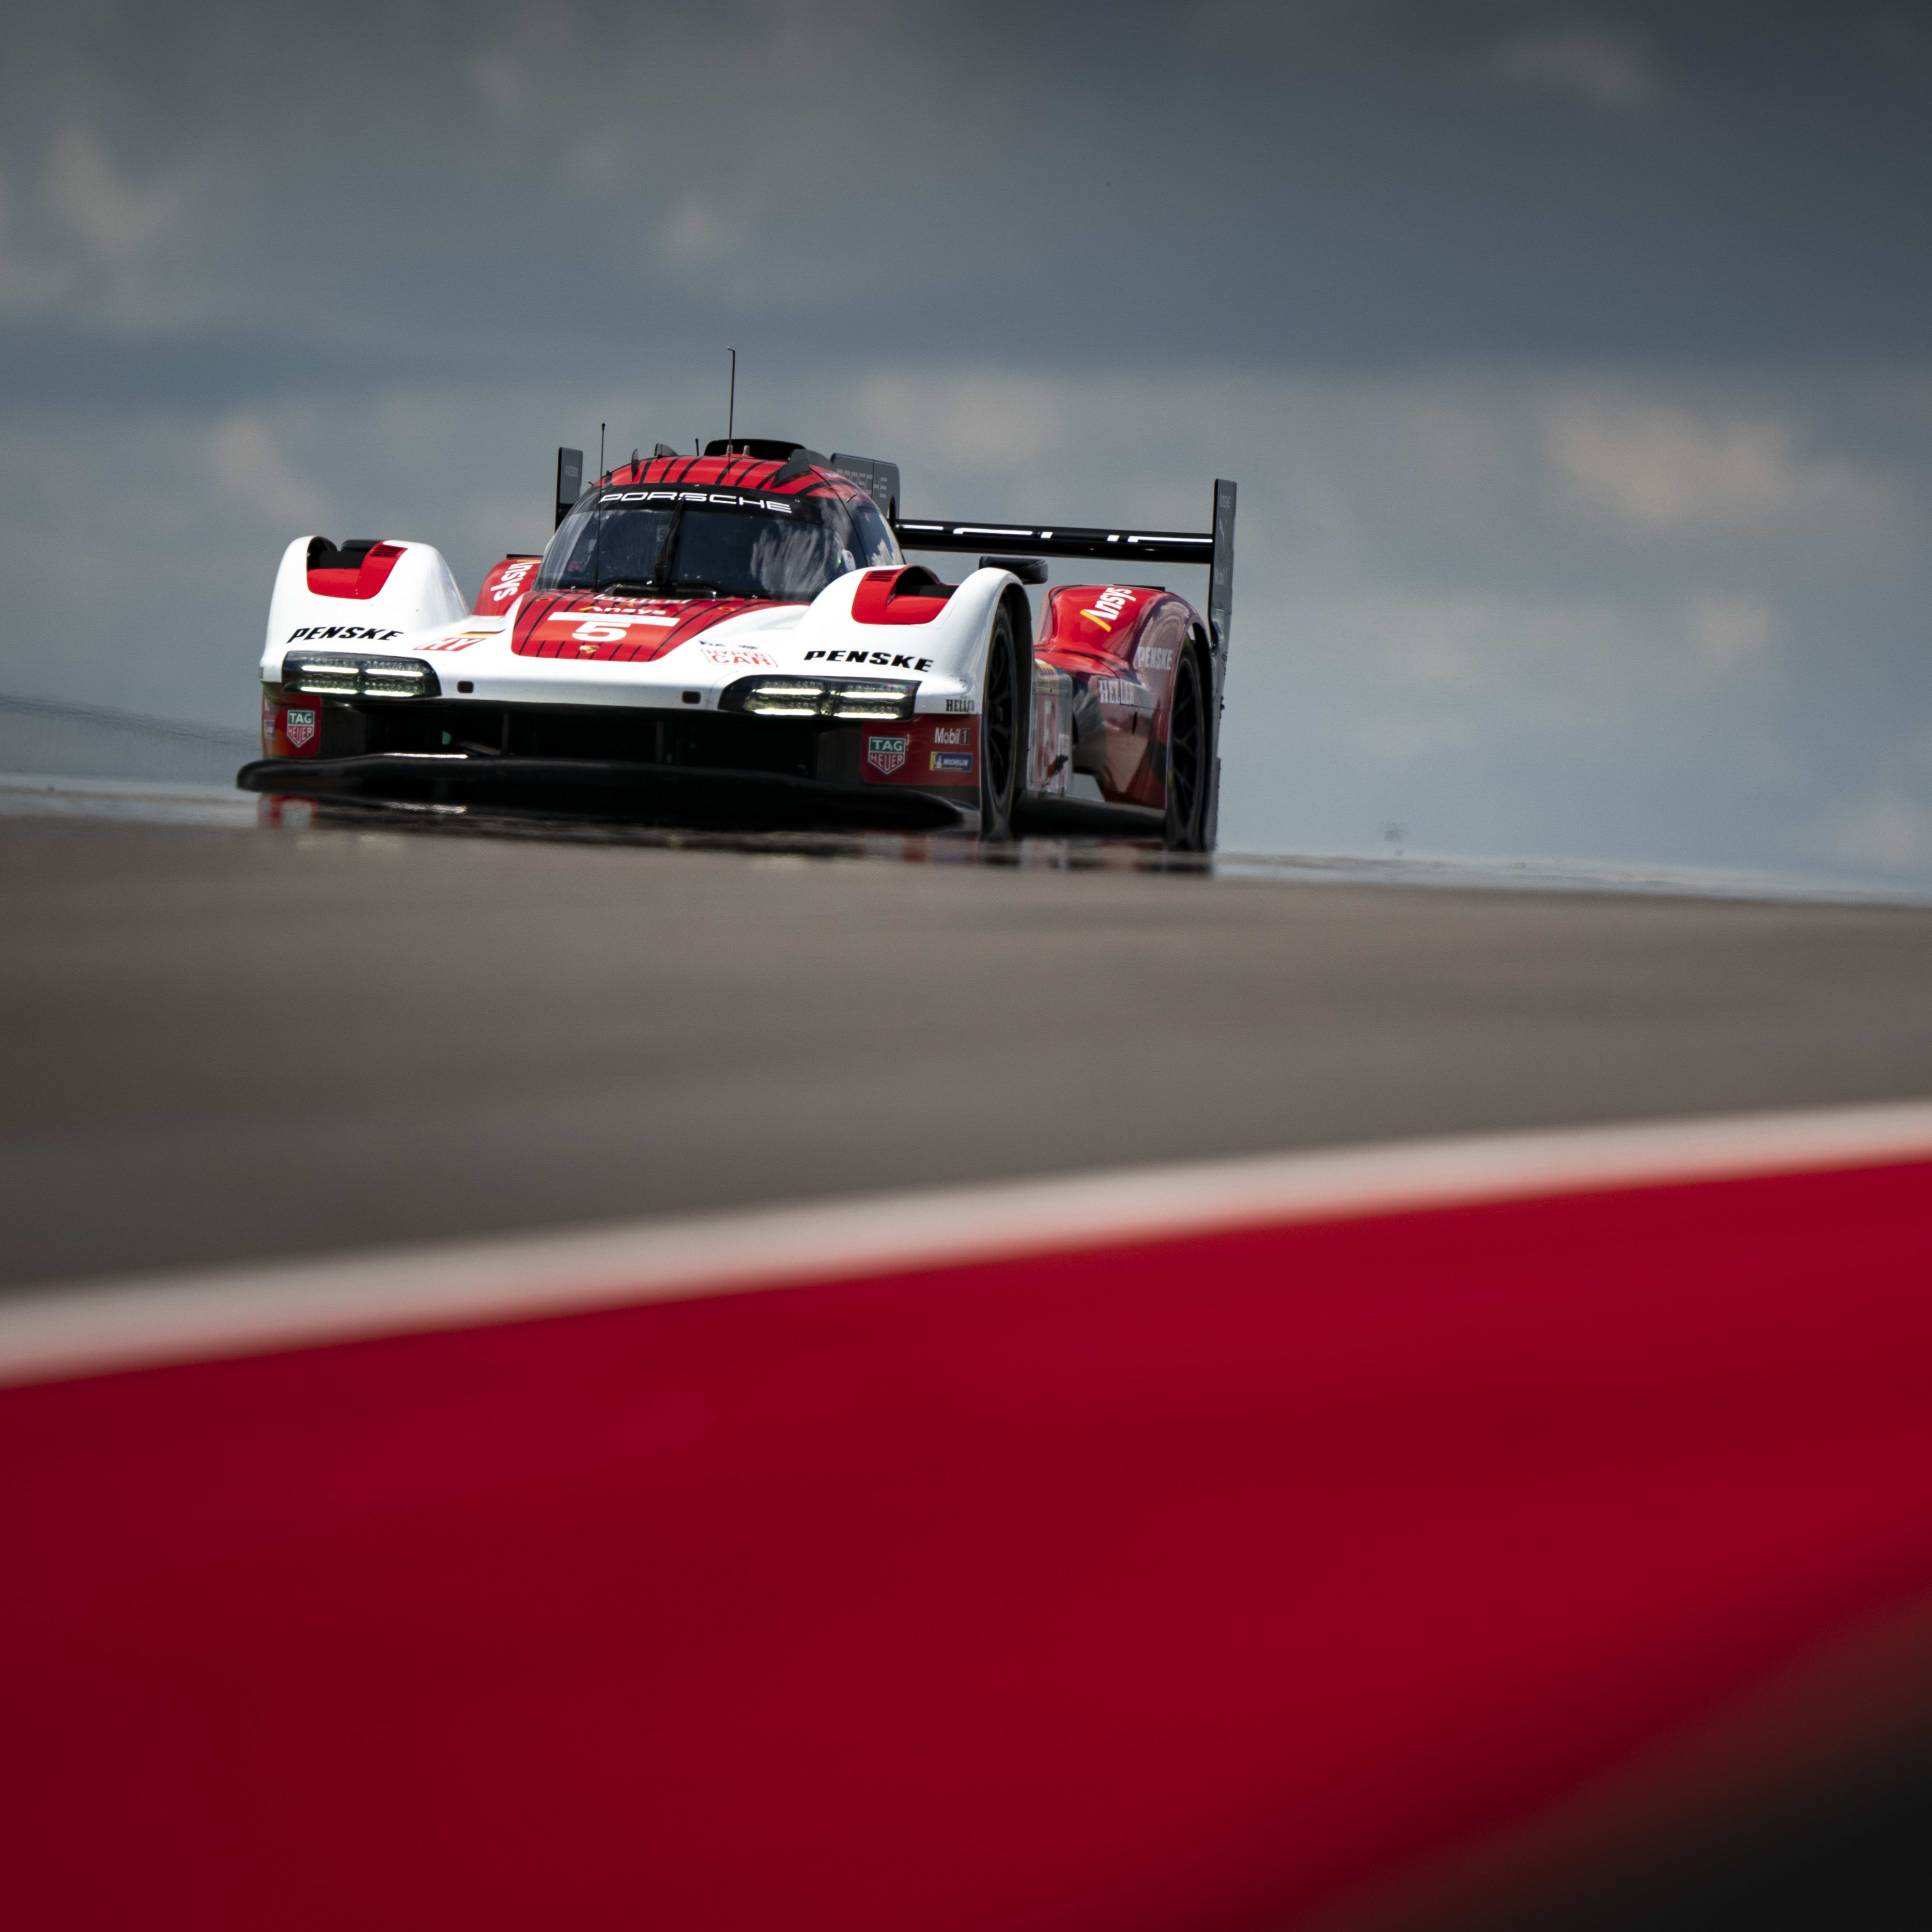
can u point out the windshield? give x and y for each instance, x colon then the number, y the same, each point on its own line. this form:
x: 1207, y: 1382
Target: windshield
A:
x: 697, y: 549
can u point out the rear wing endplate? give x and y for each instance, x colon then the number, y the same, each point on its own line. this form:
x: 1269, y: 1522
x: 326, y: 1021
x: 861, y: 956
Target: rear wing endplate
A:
x: 569, y: 481
x: 878, y: 478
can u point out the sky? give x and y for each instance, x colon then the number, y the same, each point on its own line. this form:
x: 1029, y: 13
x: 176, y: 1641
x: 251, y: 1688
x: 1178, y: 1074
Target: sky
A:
x: 1574, y: 361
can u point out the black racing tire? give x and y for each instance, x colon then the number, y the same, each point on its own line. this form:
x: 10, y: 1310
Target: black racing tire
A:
x: 1005, y: 700
x: 1187, y: 756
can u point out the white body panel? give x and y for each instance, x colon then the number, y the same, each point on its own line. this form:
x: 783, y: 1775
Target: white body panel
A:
x: 946, y: 656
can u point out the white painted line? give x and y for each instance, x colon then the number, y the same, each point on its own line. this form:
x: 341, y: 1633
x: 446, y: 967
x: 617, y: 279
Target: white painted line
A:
x: 65, y: 1330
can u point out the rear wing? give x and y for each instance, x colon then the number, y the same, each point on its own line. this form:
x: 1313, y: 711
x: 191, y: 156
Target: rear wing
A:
x: 1213, y: 548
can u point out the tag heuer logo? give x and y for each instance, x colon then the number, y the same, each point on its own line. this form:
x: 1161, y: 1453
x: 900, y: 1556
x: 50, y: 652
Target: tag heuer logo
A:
x: 886, y: 754
x: 301, y: 726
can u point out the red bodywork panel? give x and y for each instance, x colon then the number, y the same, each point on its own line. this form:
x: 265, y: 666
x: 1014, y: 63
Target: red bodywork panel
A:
x: 930, y: 751
x: 291, y: 731
x: 512, y: 578
x: 1121, y: 643
x: 879, y: 600
x: 696, y: 473
x: 630, y: 630
x: 363, y: 583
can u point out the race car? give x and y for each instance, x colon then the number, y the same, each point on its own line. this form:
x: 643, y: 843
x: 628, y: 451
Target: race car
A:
x: 735, y: 639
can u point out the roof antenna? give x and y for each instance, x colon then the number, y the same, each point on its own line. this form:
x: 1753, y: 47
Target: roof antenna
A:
x: 601, y: 472
x: 731, y: 404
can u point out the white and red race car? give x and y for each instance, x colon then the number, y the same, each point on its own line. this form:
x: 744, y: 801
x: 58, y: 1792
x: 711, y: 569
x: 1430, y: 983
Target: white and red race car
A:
x: 735, y: 639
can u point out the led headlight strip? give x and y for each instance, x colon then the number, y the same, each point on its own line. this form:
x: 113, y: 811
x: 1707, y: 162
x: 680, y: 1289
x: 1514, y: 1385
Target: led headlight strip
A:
x: 326, y: 674
x: 852, y: 699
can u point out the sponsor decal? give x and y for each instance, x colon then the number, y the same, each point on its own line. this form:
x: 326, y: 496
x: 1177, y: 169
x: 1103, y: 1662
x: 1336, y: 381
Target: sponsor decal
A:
x: 461, y: 642
x: 886, y: 660
x: 737, y: 654
x: 730, y: 498
x: 962, y: 704
x: 299, y: 727
x: 608, y: 627
x: 952, y: 761
x: 315, y: 633
x: 1152, y: 657
x: 511, y: 581
x: 886, y: 754
x: 1116, y: 690
x: 1110, y: 607
x: 952, y: 734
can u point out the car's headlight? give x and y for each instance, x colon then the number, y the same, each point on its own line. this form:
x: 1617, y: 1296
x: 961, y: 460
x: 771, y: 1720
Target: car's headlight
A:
x: 784, y: 697
x: 325, y: 674
x: 855, y: 699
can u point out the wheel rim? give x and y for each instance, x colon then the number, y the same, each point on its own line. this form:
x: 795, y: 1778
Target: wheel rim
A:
x: 1184, y: 750
x: 997, y: 729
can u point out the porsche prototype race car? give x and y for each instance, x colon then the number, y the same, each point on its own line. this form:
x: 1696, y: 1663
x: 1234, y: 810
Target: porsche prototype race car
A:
x: 735, y: 639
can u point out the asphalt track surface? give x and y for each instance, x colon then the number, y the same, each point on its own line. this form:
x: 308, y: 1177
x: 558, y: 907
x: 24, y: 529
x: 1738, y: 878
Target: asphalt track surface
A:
x: 1246, y: 1600
x: 229, y: 1044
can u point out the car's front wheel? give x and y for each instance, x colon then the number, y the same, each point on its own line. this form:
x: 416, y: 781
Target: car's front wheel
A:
x: 1002, y: 709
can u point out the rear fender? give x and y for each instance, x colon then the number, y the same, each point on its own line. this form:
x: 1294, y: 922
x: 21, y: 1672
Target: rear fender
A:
x: 1120, y: 645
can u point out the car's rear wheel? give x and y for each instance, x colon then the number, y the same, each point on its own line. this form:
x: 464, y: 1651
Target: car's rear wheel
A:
x: 1002, y: 707
x: 1187, y: 756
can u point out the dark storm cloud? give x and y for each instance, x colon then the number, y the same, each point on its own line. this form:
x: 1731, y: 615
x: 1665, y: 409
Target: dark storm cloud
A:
x: 383, y: 187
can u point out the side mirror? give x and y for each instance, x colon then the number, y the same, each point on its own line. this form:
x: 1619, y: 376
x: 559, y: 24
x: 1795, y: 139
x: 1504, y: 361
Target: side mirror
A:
x: 1027, y: 569
x: 569, y: 481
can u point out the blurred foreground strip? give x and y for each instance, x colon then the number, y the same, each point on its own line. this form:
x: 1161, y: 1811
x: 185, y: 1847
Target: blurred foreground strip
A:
x: 84, y: 1327
x: 1533, y: 1529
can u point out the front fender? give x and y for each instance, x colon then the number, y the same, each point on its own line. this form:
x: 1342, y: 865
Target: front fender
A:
x: 419, y: 594
x: 946, y: 651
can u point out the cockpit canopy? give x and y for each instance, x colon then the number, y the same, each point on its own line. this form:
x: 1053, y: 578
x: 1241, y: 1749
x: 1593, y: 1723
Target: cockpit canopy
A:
x: 727, y: 543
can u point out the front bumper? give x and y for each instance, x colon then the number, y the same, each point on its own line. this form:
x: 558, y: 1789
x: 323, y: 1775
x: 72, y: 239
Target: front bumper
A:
x: 692, y: 765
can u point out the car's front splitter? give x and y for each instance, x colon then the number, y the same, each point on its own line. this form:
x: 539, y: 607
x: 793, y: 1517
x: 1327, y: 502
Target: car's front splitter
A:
x: 660, y: 794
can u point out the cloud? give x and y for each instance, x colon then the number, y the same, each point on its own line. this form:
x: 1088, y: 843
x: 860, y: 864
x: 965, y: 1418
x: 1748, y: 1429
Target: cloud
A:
x: 1891, y: 832
x: 500, y: 81
x: 1452, y: 442
x: 1580, y: 666
x: 249, y: 467
x: 94, y: 200
x: 28, y: 283
x: 1729, y: 631
x: 1605, y: 70
x: 697, y: 234
x: 983, y: 421
x: 1664, y: 467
